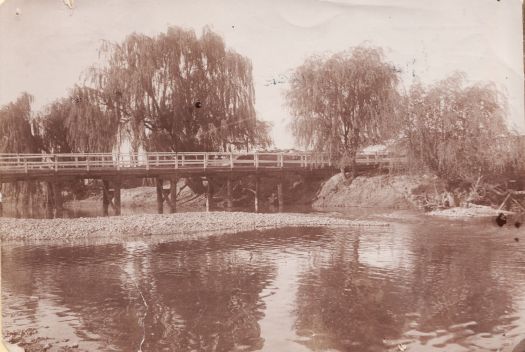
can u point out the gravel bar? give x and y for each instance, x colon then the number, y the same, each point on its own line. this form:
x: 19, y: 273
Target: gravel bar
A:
x: 162, y: 224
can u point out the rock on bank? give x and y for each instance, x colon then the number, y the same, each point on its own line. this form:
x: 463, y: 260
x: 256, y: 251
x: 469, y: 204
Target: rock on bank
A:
x: 161, y: 224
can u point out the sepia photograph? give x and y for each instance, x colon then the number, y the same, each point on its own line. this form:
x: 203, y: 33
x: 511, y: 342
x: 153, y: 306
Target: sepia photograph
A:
x: 262, y: 175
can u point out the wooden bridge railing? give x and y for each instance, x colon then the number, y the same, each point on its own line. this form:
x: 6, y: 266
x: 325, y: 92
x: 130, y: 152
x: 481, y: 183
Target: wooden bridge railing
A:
x: 26, y: 163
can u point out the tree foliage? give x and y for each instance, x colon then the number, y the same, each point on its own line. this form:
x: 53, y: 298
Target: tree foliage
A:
x: 177, y: 92
x: 78, y: 123
x: 17, y: 132
x: 457, y: 131
x: 342, y: 102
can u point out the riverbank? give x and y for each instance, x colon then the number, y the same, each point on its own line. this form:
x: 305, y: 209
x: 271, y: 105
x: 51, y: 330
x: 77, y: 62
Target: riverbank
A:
x: 196, y: 224
x: 383, y: 191
x: 402, y: 192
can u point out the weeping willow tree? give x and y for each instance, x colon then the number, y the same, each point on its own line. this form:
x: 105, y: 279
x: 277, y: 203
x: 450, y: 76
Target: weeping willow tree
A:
x: 19, y: 134
x: 457, y: 131
x: 343, y: 102
x: 79, y: 123
x: 174, y: 92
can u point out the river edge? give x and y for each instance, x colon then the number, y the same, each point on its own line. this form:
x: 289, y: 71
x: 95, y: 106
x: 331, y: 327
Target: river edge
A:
x: 183, y: 226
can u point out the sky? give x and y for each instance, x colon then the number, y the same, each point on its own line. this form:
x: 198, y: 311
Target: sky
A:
x: 45, y: 48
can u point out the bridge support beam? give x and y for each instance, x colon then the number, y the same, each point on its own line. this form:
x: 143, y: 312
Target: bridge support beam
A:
x: 106, y: 197
x: 116, y: 197
x: 111, y: 196
x: 160, y: 195
x: 57, y: 198
x: 256, y: 194
x: 209, y: 193
x: 49, y: 199
x: 229, y: 199
x: 172, y: 200
x: 280, y: 196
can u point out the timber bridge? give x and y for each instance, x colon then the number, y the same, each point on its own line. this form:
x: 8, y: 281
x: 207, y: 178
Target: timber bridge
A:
x: 112, y: 168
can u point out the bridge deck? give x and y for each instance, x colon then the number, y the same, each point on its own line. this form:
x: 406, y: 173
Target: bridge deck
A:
x: 20, y: 167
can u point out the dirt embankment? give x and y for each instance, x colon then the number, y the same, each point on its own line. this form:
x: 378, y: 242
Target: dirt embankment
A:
x: 422, y: 192
x: 397, y: 192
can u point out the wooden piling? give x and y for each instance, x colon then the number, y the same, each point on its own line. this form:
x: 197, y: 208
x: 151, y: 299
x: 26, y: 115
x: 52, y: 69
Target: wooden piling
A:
x: 280, y: 196
x: 209, y: 194
x: 256, y: 195
x: 49, y: 195
x: 57, y: 196
x: 105, y: 197
x: 229, y: 199
x: 160, y: 196
x: 173, y: 195
x: 116, y: 197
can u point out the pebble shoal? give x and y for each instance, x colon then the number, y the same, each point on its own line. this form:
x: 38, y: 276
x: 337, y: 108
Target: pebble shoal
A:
x: 162, y: 224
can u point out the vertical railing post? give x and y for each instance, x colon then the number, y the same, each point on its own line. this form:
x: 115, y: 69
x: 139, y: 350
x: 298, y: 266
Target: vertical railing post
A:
x: 205, y: 161
x: 25, y: 165
x: 256, y: 159
x: 176, y: 160
x: 87, y: 162
x: 118, y: 161
x: 156, y: 159
x: 76, y: 162
x: 281, y: 164
x: 147, y: 161
x: 231, y: 160
x: 56, y: 163
x: 182, y: 160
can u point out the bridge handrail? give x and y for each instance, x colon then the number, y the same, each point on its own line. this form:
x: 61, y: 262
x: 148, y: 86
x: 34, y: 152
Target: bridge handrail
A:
x: 175, y: 160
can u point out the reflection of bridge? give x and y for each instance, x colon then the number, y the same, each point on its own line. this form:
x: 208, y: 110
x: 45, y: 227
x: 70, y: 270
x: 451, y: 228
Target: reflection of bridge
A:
x: 112, y: 167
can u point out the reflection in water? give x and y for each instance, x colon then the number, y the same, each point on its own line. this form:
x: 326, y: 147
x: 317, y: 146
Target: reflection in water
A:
x: 429, y: 286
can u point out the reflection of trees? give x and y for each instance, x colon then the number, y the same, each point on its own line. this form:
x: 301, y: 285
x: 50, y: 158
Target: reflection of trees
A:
x: 457, y: 280
x: 18, y: 280
x: 340, y: 305
x: 208, y: 292
x: 345, y: 305
x: 202, y: 295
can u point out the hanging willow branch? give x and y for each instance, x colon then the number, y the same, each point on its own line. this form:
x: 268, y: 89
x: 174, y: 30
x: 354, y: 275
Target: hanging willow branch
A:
x: 342, y: 102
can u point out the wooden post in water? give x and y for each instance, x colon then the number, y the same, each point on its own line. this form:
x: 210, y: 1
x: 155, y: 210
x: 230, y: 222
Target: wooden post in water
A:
x: 49, y: 196
x: 116, y: 196
x: 256, y: 195
x: 173, y: 195
x: 57, y: 197
x: 105, y: 197
x: 229, y: 200
x: 209, y: 193
x: 280, y: 196
x: 160, y: 196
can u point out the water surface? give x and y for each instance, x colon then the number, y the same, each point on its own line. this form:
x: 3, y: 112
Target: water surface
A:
x: 429, y: 285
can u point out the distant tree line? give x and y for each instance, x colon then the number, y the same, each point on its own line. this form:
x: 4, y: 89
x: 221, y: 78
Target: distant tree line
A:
x: 346, y: 101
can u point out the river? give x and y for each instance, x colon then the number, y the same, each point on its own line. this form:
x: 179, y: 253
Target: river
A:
x: 420, y: 284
